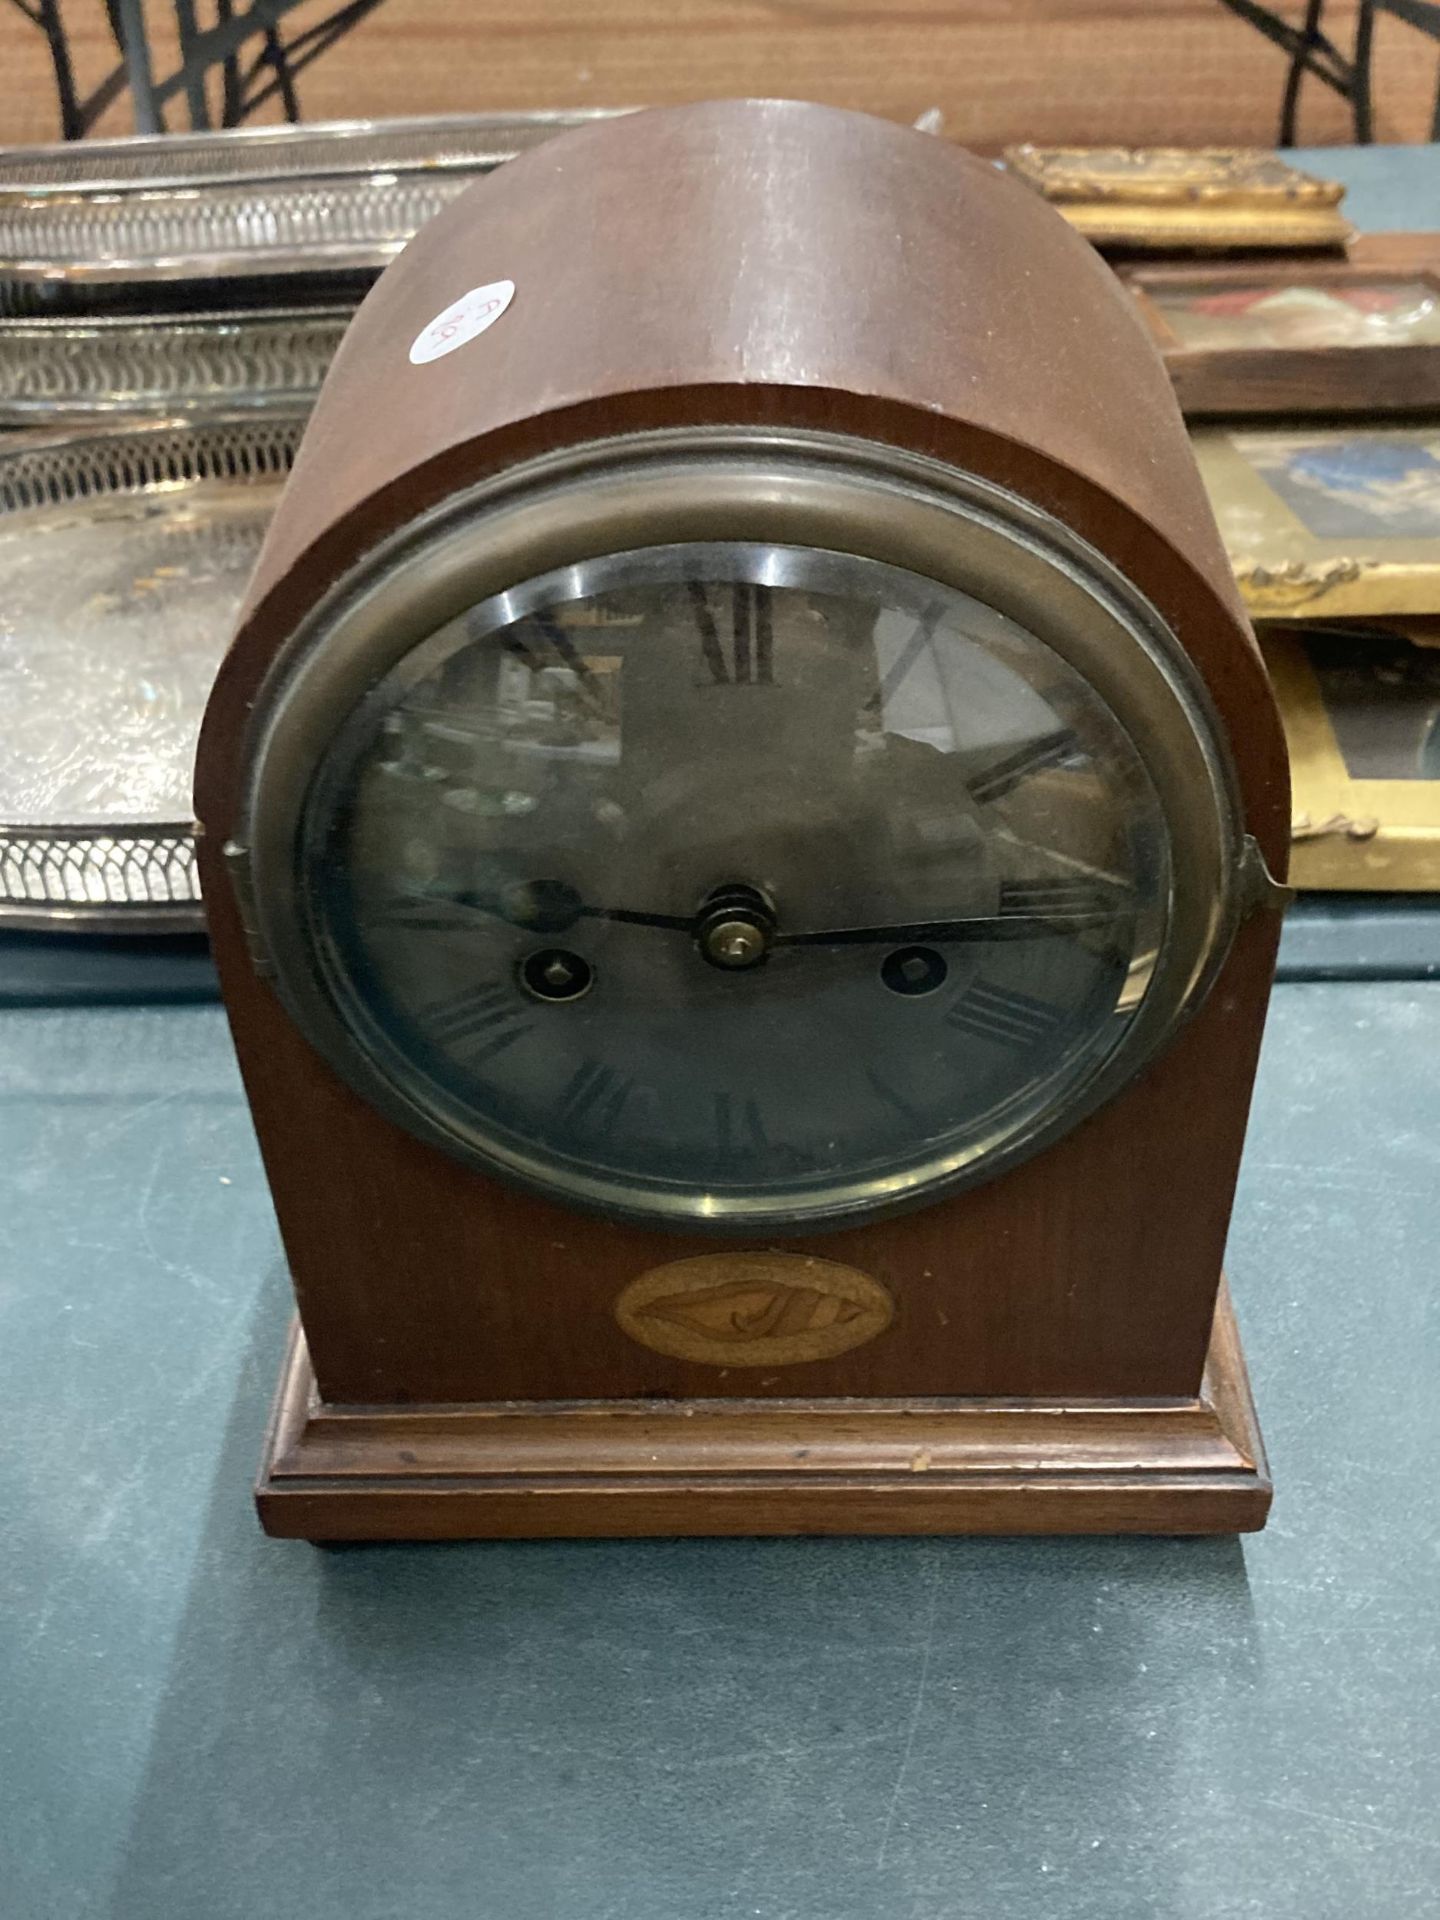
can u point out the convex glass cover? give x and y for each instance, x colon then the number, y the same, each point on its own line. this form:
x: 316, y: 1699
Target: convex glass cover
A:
x: 739, y: 882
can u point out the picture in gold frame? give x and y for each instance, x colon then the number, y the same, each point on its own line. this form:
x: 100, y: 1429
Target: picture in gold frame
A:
x: 1185, y: 199
x: 1328, y: 522
x: 1362, y: 718
x: 1297, y: 336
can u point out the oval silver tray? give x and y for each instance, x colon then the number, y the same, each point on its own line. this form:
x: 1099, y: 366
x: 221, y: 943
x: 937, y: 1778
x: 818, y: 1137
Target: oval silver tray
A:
x: 263, y: 205
x: 329, y: 147
x: 125, y: 555
x: 76, y: 368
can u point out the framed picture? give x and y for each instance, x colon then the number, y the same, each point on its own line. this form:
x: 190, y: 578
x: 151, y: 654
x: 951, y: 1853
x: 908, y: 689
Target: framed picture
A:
x: 1184, y: 199
x: 1328, y: 522
x: 1362, y: 718
x: 1297, y: 336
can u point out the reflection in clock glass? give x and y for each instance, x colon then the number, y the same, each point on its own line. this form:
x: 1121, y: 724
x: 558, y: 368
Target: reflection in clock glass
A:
x: 736, y: 881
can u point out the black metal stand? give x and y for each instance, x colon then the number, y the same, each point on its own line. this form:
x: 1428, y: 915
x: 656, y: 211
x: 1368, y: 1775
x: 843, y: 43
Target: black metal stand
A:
x: 1312, y: 51
x: 247, y: 79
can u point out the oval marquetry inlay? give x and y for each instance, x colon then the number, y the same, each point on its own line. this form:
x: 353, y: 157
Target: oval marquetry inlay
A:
x: 753, y: 1309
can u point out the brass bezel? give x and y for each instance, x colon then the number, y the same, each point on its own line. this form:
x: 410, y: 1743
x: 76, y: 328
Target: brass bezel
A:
x: 796, y: 489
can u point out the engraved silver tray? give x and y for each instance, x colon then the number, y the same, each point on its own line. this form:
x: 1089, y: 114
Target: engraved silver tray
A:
x: 260, y: 205
x: 54, y: 371
x: 124, y: 554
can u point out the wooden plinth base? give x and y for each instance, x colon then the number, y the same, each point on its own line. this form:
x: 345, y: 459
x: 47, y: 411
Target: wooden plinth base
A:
x: 535, y: 1470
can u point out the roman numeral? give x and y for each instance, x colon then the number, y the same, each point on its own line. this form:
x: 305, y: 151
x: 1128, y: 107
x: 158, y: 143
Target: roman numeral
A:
x: 555, y: 648
x: 919, y: 642
x: 892, y: 1098
x: 739, y: 1130
x: 430, y: 916
x: 483, y: 1020
x: 1062, y: 903
x: 594, y: 1093
x: 750, y: 661
x: 430, y: 912
x: 1002, y: 776
x: 998, y: 1013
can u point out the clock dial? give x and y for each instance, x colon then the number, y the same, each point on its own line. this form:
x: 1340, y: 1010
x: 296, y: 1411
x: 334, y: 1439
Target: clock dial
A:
x: 736, y: 882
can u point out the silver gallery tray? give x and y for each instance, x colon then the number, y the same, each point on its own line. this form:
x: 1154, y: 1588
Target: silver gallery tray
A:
x: 67, y: 370
x: 266, y: 205
x: 125, y: 554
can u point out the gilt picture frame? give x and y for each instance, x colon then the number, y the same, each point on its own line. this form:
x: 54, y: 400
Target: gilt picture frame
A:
x: 1328, y: 521
x: 1183, y: 199
x: 1362, y: 721
x: 1296, y: 336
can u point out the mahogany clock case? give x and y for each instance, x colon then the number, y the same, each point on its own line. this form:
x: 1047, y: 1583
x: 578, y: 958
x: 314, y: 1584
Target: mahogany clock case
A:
x: 1057, y: 1353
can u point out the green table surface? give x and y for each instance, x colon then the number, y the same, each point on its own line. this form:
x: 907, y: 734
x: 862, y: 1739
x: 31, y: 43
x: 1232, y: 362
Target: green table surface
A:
x: 195, y: 1721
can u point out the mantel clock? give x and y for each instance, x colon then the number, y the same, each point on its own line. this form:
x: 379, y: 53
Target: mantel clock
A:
x: 737, y: 831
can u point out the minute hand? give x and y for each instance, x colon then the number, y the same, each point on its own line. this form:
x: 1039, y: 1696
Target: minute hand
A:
x: 981, y: 926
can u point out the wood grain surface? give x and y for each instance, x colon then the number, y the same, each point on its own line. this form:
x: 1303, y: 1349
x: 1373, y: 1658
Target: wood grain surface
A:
x: 1135, y: 72
x: 1188, y: 1465
x: 1091, y: 1270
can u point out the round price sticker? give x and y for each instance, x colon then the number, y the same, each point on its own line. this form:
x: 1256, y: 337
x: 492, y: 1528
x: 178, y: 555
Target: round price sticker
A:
x: 462, y: 320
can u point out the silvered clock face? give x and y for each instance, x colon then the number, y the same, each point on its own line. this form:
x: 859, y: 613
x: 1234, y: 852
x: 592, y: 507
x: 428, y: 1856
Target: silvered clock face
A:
x: 735, y: 883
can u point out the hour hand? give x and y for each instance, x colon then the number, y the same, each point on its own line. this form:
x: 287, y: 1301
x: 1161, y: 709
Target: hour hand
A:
x: 539, y: 906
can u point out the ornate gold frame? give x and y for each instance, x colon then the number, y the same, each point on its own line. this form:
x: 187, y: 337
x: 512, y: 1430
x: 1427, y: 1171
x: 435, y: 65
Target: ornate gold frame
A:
x: 1203, y: 199
x: 1348, y: 834
x: 1286, y: 572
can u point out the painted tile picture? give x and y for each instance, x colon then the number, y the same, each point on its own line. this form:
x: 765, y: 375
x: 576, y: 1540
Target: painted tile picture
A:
x: 1382, y: 698
x: 1361, y: 707
x: 1343, y: 485
x: 1300, y: 339
x: 1300, y: 313
x: 1328, y: 522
